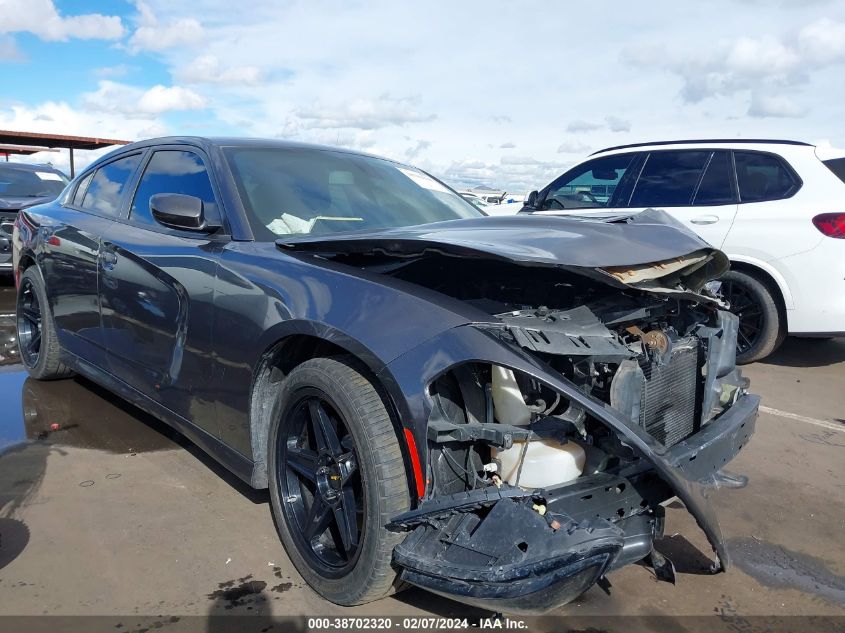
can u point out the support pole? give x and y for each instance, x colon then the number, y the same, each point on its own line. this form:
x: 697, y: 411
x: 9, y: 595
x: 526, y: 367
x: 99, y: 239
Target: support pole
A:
x: 72, y: 170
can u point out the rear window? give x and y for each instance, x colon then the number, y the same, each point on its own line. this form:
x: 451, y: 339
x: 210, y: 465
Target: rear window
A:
x: 105, y: 192
x: 837, y: 166
x: 762, y: 177
x: 669, y: 179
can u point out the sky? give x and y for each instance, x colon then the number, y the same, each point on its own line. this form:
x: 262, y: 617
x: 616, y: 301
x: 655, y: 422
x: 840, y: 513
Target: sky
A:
x: 504, y: 94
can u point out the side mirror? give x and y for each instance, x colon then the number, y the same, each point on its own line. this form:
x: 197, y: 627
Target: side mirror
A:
x: 531, y: 200
x: 179, y: 211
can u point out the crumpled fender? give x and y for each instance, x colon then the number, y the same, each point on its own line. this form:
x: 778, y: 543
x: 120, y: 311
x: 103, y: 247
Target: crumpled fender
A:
x: 691, y: 467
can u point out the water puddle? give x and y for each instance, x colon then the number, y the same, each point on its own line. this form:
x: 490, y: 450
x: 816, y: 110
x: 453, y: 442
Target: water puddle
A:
x: 70, y: 412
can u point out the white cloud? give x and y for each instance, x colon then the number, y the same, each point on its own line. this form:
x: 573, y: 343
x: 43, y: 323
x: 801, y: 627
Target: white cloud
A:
x: 207, y: 69
x: 114, y: 97
x: 774, y: 106
x: 119, y: 70
x: 507, y: 146
x: 572, y: 147
x: 412, y: 152
x: 152, y: 35
x: 9, y: 51
x: 583, y: 126
x: 53, y: 116
x: 364, y: 114
x: 770, y: 68
x: 617, y: 124
x: 41, y: 18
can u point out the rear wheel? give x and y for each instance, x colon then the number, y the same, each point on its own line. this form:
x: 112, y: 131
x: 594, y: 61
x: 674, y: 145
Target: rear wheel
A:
x: 37, y: 341
x: 337, y: 477
x: 762, y: 325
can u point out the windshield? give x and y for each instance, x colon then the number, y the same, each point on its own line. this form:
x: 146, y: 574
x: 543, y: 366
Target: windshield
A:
x: 289, y: 191
x: 26, y: 183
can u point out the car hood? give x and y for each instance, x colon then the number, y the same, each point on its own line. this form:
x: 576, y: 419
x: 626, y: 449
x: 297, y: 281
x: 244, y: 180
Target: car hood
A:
x: 16, y: 203
x: 649, y: 250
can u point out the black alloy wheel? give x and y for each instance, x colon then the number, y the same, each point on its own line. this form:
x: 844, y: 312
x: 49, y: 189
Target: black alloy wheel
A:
x: 750, y: 313
x: 320, y: 483
x: 29, y: 322
x: 762, y: 321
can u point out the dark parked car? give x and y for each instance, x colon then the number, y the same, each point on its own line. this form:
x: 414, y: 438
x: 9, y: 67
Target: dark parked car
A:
x: 495, y: 409
x: 23, y: 185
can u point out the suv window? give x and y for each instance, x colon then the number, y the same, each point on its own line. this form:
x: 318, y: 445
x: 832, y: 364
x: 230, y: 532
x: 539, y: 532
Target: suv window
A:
x: 716, y: 185
x: 173, y: 171
x: 589, y: 185
x: 669, y: 179
x: 837, y: 166
x: 106, y: 188
x: 762, y: 177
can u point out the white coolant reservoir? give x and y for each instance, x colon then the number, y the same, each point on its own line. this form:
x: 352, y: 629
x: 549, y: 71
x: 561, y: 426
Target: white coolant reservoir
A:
x: 547, y: 463
x: 507, y: 398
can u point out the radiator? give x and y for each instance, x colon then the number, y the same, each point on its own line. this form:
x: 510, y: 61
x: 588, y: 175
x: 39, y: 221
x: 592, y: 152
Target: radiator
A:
x: 668, y: 409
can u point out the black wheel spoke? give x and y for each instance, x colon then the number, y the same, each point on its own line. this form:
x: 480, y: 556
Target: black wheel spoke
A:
x: 319, y: 517
x: 319, y: 483
x: 324, y: 431
x: 303, y: 462
x: 32, y: 315
x: 346, y: 517
x: 34, y: 344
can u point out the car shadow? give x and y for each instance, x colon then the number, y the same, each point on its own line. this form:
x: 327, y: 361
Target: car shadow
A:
x: 685, y: 556
x: 808, y: 352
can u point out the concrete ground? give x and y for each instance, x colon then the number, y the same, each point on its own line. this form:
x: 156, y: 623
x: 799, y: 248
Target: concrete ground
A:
x: 106, y: 511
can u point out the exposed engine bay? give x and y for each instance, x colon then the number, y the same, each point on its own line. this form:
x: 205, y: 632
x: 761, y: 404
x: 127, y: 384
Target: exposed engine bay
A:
x: 537, y: 484
x: 538, y: 477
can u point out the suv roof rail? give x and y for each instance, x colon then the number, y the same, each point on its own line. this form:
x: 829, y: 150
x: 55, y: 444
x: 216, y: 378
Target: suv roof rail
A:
x: 706, y: 140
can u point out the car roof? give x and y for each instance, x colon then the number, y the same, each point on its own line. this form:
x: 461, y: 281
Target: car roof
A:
x: 30, y: 167
x: 205, y: 142
x: 704, y: 142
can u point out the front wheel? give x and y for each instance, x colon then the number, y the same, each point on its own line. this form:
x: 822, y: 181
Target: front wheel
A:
x: 762, y: 324
x: 337, y: 477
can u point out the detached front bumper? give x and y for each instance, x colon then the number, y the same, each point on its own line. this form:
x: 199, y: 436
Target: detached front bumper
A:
x: 492, y: 548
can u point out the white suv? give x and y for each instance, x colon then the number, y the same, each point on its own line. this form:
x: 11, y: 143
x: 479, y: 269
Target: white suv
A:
x: 776, y: 208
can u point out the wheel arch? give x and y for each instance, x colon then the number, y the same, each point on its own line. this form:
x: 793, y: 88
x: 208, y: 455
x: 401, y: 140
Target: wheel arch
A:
x: 281, y: 356
x: 767, y: 274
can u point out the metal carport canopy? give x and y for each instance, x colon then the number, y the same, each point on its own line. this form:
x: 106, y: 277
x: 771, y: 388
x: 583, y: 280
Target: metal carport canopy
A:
x: 39, y: 139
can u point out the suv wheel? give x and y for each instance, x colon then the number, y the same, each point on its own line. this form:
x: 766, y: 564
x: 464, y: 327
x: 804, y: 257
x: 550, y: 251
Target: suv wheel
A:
x: 762, y: 325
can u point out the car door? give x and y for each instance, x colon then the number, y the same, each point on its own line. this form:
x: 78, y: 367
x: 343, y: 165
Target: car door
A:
x: 157, y: 289
x: 71, y: 243
x: 695, y: 186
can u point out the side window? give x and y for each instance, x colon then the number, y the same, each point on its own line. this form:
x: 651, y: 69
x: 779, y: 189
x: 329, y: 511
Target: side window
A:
x: 105, y: 191
x: 668, y: 179
x: 762, y: 177
x: 173, y: 171
x: 81, y: 188
x: 716, y: 185
x: 589, y: 185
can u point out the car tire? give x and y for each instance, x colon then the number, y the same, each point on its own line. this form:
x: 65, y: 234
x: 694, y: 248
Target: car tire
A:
x: 762, y: 322
x: 364, y: 428
x: 38, y: 343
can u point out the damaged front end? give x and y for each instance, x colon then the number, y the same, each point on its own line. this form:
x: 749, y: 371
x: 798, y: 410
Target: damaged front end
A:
x: 553, y: 429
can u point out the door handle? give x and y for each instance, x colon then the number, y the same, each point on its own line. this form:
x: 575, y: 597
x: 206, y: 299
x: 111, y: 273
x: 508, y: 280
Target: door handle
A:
x: 705, y: 219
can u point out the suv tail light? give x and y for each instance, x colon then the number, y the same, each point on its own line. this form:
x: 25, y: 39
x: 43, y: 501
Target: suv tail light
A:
x: 831, y: 224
